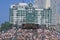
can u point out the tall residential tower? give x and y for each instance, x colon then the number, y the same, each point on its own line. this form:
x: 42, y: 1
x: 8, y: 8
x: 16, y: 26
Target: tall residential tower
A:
x: 53, y: 4
x: 24, y: 13
x: 39, y: 3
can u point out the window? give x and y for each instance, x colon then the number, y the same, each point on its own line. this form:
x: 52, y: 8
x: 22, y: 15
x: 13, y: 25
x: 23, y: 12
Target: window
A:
x: 11, y: 14
x: 18, y: 14
x: 29, y: 11
x: 11, y: 19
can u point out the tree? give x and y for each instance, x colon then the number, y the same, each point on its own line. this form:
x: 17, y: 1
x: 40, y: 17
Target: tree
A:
x: 5, y: 26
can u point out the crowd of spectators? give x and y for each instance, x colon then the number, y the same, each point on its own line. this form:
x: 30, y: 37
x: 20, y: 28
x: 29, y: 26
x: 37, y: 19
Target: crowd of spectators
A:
x: 29, y: 34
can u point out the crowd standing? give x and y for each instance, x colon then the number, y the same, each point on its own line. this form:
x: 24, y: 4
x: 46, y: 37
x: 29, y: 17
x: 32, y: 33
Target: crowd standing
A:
x: 29, y: 34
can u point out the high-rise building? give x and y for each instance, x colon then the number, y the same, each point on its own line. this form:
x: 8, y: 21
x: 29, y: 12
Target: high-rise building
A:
x: 17, y: 13
x: 39, y: 3
x: 46, y: 16
x: 39, y: 15
x: 48, y: 4
x: 53, y: 4
x: 23, y: 13
x: 31, y: 14
x: 58, y: 18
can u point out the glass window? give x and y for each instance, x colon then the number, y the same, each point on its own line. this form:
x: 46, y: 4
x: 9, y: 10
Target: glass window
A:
x: 18, y: 14
x: 11, y: 12
x: 30, y: 11
x: 11, y: 19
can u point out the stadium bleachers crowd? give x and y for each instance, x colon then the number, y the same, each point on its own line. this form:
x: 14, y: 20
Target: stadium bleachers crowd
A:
x: 29, y: 34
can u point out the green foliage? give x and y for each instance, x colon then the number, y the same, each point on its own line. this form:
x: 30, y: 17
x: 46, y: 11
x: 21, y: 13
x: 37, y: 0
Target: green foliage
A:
x: 5, y: 26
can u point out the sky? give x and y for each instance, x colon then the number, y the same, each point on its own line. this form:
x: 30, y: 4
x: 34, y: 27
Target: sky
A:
x: 5, y: 5
x: 4, y: 8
